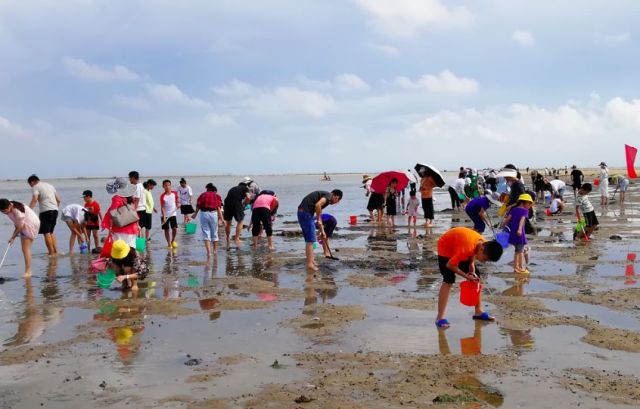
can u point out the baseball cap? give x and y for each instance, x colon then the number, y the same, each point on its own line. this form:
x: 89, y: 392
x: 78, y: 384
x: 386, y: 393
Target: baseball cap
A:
x: 87, y: 193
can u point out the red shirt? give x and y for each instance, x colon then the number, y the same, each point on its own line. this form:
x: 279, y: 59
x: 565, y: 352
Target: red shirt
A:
x: 94, y: 209
x: 209, y: 201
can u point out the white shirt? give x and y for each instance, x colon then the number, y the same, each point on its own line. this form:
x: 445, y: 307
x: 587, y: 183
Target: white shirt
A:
x: 584, y: 203
x: 46, y: 195
x: 185, y: 194
x: 555, y: 205
x: 75, y: 212
x: 557, y: 184
x: 168, y: 202
x: 140, y: 195
x: 458, y: 185
x: 367, y: 186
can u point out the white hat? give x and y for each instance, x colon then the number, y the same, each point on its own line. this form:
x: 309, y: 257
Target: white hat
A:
x: 507, y: 173
x: 492, y: 199
x: 247, y: 179
x: 121, y: 187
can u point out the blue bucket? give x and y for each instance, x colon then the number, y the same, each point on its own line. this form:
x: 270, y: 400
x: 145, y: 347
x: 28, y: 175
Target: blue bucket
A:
x: 503, y: 239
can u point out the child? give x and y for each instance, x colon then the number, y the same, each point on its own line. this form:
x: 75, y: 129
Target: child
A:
x: 458, y: 249
x: 26, y: 224
x: 557, y: 206
x: 169, y: 203
x: 149, y: 208
x: 584, y: 204
x: 515, y: 221
x: 426, y: 193
x: 128, y: 265
x: 92, y: 217
x: 412, y: 208
x: 390, y: 201
x: 186, y: 194
x: 476, y: 209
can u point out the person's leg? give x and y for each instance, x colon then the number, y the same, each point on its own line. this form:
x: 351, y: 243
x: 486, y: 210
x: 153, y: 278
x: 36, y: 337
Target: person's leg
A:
x: 256, y: 221
x: 238, y: 233
x: 26, y: 252
x: 308, y: 251
x: 174, y: 233
x: 166, y: 233
x: 443, y: 299
x: 207, y: 247
x: 227, y: 231
x: 72, y: 236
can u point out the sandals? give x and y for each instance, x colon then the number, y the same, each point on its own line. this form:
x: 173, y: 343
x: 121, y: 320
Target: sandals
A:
x: 443, y: 323
x: 484, y: 317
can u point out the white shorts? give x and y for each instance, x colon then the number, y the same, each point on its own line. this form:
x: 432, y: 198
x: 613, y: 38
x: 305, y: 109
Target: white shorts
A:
x: 209, y: 226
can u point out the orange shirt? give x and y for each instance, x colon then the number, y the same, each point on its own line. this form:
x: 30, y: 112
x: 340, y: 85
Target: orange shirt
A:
x: 459, y: 244
x: 426, y: 187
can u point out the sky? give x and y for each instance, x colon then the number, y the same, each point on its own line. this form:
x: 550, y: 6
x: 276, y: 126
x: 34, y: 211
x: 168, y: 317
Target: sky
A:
x: 98, y: 88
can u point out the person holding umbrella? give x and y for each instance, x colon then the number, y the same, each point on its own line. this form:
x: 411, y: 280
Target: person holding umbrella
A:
x: 430, y: 177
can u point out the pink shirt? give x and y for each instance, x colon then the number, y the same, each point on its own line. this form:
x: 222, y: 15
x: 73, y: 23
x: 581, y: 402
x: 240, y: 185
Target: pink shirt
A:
x: 266, y: 201
x: 28, y: 220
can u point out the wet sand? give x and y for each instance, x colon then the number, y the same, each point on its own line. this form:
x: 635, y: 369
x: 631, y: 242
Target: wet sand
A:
x: 253, y: 329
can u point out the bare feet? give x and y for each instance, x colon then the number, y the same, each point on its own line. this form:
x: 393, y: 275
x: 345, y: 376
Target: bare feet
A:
x: 312, y: 267
x: 26, y: 274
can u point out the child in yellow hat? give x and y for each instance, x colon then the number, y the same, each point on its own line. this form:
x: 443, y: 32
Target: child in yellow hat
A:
x: 128, y: 265
x: 515, y: 222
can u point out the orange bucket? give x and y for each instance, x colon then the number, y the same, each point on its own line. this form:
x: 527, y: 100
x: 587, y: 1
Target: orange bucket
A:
x: 353, y: 219
x: 470, y: 346
x: 470, y: 293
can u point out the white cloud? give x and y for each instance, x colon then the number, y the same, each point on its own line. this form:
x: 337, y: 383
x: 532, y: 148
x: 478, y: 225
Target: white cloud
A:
x: 351, y: 82
x: 524, y: 38
x: 611, y: 39
x: 445, y: 82
x: 137, y: 103
x: 81, y: 69
x: 385, y: 49
x: 11, y: 130
x: 219, y: 120
x: 293, y: 100
x: 234, y: 88
x: 171, y: 94
x: 406, y: 18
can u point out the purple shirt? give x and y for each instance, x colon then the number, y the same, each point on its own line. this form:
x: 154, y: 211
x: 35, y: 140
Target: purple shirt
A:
x: 474, y: 206
x: 517, y: 214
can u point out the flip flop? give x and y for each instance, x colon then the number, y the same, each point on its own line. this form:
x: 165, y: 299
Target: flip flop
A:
x: 443, y: 323
x: 484, y: 317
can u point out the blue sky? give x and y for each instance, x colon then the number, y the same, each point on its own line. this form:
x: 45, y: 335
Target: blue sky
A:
x: 92, y: 88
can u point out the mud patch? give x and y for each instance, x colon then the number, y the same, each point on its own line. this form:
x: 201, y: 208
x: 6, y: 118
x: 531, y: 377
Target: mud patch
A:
x: 611, y: 386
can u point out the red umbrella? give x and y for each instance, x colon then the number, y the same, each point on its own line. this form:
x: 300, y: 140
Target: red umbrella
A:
x: 380, y: 182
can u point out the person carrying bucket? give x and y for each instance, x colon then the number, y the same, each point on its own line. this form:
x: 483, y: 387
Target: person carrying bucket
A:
x: 583, y: 204
x: 458, y: 250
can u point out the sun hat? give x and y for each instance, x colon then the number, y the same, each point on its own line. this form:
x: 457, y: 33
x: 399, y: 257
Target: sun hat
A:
x: 492, y: 198
x: 247, y: 179
x: 365, y: 177
x: 121, y: 187
x: 507, y: 173
x: 525, y: 197
x: 602, y: 164
x: 87, y: 193
x: 120, y: 249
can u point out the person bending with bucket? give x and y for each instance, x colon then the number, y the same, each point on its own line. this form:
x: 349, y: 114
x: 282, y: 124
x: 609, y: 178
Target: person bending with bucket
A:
x: 458, y: 250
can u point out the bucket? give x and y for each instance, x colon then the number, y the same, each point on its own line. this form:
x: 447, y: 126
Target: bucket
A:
x: 141, y: 244
x: 503, y: 239
x: 191, y: 228
x: 470, y: 293
x: 596, y: 182
x: 548, y: 212
x: 631, y: 256
x: 353, y: 219
x: 470, y: 346
x: 629, y: 271
x: 105, y: 279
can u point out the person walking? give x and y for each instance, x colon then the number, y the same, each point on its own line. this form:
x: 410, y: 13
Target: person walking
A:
x: 46, y: 196
x: 603, y: 175
x: 186, y: 195
x: 208, y: 205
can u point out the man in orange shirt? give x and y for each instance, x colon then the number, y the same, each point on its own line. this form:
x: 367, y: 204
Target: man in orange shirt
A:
x: 458, y: 249
x: 426, y: 193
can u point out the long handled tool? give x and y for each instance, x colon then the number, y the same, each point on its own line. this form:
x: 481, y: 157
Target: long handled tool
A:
x: 5, y: 254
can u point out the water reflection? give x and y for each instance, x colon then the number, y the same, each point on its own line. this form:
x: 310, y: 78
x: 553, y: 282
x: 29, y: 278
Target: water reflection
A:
x: 517, y: 289
x: 468, y: 345
x: 31, y: 324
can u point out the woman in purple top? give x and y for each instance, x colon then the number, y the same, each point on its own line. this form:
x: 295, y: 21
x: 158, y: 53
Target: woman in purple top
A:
x: 477, y: 210
x: 515, y: 221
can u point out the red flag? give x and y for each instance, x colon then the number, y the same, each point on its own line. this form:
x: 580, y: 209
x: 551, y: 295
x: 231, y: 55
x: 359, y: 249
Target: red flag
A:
x: 631, y: 152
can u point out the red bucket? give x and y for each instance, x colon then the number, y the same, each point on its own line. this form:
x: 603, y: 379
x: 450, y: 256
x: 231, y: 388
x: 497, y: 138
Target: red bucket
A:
x: 353, y: 219
x: 596, y: 181
x: 631, y: 256
x: 470, y: 293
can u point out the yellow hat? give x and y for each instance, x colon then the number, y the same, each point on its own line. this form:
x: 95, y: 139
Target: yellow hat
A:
x: 525, y: 197
x: 120, y: 249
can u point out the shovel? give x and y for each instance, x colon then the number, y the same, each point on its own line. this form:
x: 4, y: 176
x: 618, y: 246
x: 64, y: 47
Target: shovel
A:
x: 5, y: 254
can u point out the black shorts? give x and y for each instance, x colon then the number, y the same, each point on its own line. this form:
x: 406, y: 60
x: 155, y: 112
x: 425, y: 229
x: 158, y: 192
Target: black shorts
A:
x: 141, y: 214
x: 91, y: 227
x: 233, y: 212
x: 48, y: 221
x: 376, y: 201
x: 449, y: 276
x: 591, y: 219
x: 186, y: 209
x: 145, y: 220
x: 170, y: 222
x: 427, y: 206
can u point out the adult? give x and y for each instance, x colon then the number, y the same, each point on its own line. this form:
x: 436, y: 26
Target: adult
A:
x: 254, y: 190
x: 186, y: 194
x: 26, y: 226
x: 74, y: 216
x: 208, y: 205
x: 146, y: 221
x: 603, y: 175
x: 46, y: 196
x: 310, y: 207
x: 577, y: 179
x: 557, y: 187
x: 491, y: 181
x: 263, y: 212
x: 458, y: 250
x: 123, y: 194
x: 128, y: 265
x: 539, y: 186
x: 138, y: 197
x: 237, y: 197
x: 622, y: 184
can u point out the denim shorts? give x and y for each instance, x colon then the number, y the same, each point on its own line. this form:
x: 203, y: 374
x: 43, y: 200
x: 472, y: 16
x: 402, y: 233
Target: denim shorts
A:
x: 308, y: 225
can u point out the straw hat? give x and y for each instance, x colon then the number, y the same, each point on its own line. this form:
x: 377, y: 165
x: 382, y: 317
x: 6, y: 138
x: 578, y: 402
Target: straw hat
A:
x: 120, y: 250
x: 365, y: 177
x: 525, y: 197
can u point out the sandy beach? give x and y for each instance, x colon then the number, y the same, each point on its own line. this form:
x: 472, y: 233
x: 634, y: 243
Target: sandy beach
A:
x: 252, y: 329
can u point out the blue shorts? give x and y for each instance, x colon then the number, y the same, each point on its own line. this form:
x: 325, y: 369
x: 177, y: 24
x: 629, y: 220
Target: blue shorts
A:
x: 308, y: 225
